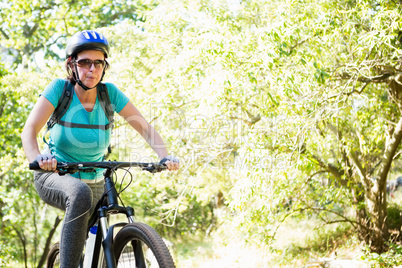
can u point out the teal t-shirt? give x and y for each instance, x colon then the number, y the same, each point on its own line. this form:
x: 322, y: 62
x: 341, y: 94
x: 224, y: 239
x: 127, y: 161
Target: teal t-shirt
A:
x: 81, y: 144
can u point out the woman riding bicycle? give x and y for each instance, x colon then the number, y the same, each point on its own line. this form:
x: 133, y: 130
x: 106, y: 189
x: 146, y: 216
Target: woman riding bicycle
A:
x: 80, y: 139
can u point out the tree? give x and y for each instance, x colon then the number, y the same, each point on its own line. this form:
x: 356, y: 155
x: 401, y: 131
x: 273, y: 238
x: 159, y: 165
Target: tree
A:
x: 297, y: 98
x: 29, y: 29
x: 23, y: 227
x: 351, y: 115
x: 331, y: 72
x: 44, y: 26
x: 276, y: 108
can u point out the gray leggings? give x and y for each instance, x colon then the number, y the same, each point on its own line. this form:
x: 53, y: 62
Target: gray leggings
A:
x: 77, y: 199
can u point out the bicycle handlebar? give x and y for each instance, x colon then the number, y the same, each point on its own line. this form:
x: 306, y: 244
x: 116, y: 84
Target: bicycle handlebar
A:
x: 74, y: 167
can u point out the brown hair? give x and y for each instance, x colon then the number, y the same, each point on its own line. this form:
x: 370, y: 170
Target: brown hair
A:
x: 70, y: 73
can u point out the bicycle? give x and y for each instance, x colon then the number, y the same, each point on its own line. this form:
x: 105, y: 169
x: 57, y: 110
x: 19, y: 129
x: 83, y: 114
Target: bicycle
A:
x: 133, y: 243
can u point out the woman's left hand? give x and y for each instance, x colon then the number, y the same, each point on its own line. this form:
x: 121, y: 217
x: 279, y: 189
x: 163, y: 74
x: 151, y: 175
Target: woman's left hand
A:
x: 171, y: 162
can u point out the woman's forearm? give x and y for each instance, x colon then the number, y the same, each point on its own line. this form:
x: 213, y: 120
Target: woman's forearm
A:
x: 155, y: 141
x: 36, y: 120
x: 138, y: 122
x: 30, y: 144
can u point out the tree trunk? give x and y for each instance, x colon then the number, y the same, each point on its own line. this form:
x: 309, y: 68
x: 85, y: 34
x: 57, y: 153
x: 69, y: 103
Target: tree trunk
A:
x: 376, y: 193
x: 377, y: 209
x: 48, y: 241
x: 375, y: 188
x: 371, y: 217
x: 23, y: 240
x: 363, y: 232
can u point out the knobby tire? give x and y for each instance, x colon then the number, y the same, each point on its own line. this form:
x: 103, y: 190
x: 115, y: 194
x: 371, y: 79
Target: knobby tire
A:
x: 53, y: 257
x: 130, y: 235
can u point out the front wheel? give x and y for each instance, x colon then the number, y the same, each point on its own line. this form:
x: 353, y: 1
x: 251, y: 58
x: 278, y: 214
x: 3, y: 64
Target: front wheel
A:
x: 139, y: 245
x: 53, y: 257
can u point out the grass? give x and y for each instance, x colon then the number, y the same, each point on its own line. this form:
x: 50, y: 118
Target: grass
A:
x: 297, y: 245
x: 212, y: 252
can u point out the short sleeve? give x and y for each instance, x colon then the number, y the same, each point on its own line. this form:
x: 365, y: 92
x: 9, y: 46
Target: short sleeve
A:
x: 117, y: 97
x: 53, y: 91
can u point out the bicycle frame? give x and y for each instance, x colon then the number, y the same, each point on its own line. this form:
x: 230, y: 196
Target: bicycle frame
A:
x: 105, y: 231
x: 107, y: 205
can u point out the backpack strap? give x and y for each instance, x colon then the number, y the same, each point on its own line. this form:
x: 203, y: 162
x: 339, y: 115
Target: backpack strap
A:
x: 61, y: 109
x: 106, y: 104
x: 62, y: 106
x: 65, y: 101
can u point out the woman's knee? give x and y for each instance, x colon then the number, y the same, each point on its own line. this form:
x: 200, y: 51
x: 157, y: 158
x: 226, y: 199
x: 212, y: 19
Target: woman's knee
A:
x: 81, y: 196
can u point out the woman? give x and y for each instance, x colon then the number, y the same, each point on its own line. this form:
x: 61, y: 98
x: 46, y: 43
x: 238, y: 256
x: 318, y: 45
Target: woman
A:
x: 86, y: 64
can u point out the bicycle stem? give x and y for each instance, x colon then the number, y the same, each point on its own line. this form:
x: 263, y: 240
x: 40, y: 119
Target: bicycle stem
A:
x: 110, y: 189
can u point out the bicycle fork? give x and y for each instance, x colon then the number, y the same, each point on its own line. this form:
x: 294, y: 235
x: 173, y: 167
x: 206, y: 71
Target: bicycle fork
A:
x: 106, y: 230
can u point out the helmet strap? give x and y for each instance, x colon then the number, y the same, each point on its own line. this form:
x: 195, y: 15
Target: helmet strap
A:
x: 79, y: 82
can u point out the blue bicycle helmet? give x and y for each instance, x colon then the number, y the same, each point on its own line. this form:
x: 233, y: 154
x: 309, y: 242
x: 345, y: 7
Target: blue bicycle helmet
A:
x: 87, y: 40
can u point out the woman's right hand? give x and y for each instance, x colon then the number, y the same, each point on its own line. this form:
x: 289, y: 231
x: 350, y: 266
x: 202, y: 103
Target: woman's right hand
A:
x: 46, y: 162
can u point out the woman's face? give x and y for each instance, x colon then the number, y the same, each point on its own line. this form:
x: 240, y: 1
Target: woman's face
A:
x: 90, y: 65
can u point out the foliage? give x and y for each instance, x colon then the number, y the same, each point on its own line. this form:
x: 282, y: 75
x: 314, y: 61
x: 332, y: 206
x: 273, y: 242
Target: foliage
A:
x: 20, y: 207
x: 323, y: 241
x: 44, y: 26
x: 161, y: 202
x: 394, y: 216
x: 277, y: 110
x: 39, y: 33
x: 290, y: 98
x: 318, y: 242
x: 391, y: 258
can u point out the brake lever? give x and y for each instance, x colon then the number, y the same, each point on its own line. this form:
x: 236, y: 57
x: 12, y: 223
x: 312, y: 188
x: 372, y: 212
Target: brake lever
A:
x: 150, y: 169
x: 63, y: 172
x: 155, y: 168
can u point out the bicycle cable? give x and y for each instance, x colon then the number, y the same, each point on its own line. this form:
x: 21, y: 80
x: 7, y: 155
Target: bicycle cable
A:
x: 127, y: 171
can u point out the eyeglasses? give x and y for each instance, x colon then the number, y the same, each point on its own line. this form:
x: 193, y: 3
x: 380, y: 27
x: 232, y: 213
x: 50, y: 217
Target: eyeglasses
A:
x: 87, y: 63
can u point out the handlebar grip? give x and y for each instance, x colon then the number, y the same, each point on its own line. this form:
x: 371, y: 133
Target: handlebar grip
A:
x: 34, y: 166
